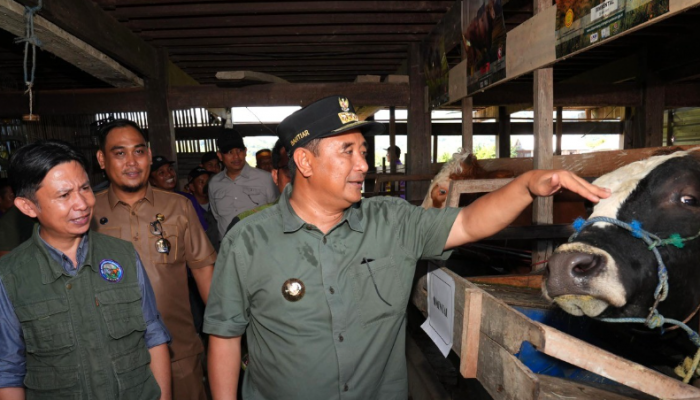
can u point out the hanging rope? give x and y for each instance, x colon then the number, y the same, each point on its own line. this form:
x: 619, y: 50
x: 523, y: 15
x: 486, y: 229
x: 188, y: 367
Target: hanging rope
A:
x: 30, y: 39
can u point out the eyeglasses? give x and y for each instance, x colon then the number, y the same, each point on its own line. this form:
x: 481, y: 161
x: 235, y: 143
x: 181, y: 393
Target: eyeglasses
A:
x: 162, y: 244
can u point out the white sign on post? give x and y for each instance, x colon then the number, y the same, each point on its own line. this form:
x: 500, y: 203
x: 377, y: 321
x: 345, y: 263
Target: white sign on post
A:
x: 441, y: 294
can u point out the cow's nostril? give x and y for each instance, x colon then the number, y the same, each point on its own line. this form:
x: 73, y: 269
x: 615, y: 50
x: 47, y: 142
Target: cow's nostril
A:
x: 580, y: 264
x: 585, y: 265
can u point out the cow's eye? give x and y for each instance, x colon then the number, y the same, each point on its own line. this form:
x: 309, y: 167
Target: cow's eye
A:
x: 443, y: 191
x: 689, y: 200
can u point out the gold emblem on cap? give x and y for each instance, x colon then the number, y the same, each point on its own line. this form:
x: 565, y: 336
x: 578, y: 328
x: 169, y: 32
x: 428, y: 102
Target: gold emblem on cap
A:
x: 293, y: 289
x: 344, y: 104
x: 347, y: 117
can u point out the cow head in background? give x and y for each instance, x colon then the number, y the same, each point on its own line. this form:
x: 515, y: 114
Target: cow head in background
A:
x: 463, y: 165
x: 606, y: 272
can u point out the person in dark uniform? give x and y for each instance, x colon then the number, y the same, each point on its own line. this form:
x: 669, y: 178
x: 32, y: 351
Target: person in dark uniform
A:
x: 78, y: 317
x: 320, y: 281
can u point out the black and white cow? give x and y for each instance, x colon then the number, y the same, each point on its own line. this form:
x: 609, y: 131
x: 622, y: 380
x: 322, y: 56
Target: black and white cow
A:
x: 607, y: 272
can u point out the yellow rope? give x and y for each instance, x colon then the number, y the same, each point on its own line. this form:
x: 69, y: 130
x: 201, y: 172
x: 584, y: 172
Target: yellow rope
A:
x: 688, y: 368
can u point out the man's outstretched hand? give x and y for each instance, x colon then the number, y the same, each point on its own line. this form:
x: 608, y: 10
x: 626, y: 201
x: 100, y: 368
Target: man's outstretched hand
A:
x: 549, y: 182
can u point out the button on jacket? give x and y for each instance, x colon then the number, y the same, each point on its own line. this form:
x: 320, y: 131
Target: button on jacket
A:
x: 345, y: 337
x: 230, y: 197
x: 189, y: 246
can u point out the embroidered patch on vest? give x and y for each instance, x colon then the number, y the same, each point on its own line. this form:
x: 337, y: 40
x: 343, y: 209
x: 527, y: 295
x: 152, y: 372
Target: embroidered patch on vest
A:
x: 111, y: 271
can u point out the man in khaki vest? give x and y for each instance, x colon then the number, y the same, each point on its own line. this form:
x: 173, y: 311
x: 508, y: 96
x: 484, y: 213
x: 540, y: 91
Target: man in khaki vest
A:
x: 77, y: 313
x: 164, y: 228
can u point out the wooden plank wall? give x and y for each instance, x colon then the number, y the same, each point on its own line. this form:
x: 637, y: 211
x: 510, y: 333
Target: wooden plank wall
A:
x: 586, y: 165
x: 531, y: 45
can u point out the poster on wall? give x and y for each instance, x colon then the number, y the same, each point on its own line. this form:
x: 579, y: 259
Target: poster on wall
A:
x: 437, y: 72
x: 485, y: 43
x: 581, y: 23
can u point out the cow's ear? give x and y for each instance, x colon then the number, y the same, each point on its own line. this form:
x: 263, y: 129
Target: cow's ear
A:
x: 589, y: 207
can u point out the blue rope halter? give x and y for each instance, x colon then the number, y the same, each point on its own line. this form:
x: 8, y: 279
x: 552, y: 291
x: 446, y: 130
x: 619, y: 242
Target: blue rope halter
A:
x: 654, y: 319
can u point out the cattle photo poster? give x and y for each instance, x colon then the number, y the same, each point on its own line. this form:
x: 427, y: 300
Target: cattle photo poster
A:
x: 484, y: 32
x: 581, y: 23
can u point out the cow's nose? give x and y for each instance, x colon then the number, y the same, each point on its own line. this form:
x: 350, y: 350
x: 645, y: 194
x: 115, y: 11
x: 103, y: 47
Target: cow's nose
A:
x: 577, y: 264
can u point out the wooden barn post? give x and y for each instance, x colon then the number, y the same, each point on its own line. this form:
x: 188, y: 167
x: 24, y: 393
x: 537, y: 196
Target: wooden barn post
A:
x: 560, y: 129
x: 392, y: 136
x: 161, y: 133
x: 503, y: 138
x: 669, y: 128
x: 468, y: 124
x: 543, y: 107
x: 418, y: 160
x: 649, y: 118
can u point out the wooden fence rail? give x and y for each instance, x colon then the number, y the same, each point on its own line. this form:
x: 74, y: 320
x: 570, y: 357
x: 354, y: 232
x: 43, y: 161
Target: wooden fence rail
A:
x: 488, y: 333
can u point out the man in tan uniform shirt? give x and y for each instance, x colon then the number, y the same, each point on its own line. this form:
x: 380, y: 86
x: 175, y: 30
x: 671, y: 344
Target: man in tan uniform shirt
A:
x: 154, y: 221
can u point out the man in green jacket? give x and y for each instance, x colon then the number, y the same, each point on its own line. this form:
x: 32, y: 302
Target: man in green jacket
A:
x: 320, y: 281
x: 77, y: 313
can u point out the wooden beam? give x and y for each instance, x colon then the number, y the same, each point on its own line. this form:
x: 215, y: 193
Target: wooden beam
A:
x: 218, y: 20
x: 161, y: 134
x: 457, y: 188
x: 283, y: 31
x: 438, y: 129
x: 585, y: 165
x: 67, y: 47
x: 392, y: 136
x: 543, y: 100
x: 118, y: 100
x: 300, y: 51
x: 244, y: 43
x: 249, y: 76
x: 467, y: 102
x: 503, y: 138
x: 571, y: 95
x: 467, y: 124
x: 347, y: 58
x: 291, y: 69
x: 418, y: 124
x: 258, y: 64
x: 86, y: 20
x: 280, y: 94
x: 669, y: 128
x: 182, y: 97
x: 559, y: 130
x: 297, y: 7
x: 653, y: 114
x: 531, y: 44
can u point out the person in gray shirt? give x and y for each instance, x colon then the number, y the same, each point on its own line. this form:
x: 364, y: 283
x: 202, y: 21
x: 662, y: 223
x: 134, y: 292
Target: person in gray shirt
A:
x: 239, y: 187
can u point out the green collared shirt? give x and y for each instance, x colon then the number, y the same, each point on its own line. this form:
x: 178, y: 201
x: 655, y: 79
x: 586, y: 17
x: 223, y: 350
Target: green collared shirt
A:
x: 345, y: 338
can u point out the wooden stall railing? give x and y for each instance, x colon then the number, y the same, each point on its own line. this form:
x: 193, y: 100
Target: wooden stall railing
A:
x: 589, y: 165
x: 488, y: 333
